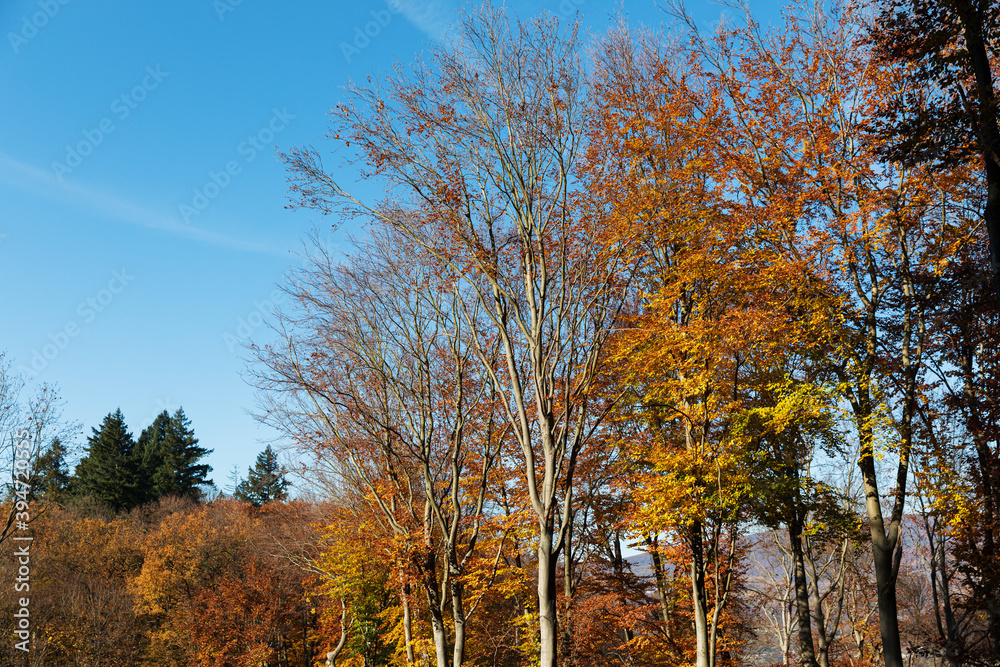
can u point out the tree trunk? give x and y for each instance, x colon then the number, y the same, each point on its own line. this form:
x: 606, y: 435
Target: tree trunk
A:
x: 824, y: 637
x: 988, y: 478
x: 992, y: 215
x: 987, y: 124
x: 703, y: 657
x: 807, y: 651
x: 407, y: 622
x: 440, y: 639
x: 429, y: 567
x: 884, y: 541
x: 331, y: 657
x: 548, y: 621
x: 567, y: 620
x: 884, y: 553
x: 661, y: 584
x: 884, y: 544
x: 458, y: 616
x: 619, y: 568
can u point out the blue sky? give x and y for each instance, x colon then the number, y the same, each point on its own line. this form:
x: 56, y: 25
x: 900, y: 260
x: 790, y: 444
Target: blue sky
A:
x: 144, y: 225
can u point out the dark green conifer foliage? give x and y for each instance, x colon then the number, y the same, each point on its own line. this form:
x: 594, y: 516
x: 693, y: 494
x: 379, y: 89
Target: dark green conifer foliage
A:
x: 149, y: 453
x: 180, y: 473
x: 265, y: 481
x: 169, y: 457
x: 50, y: 477
x: 109, y: 471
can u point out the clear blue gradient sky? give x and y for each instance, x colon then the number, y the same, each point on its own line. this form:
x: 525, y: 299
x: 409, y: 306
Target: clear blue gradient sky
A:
x: 143, y: 212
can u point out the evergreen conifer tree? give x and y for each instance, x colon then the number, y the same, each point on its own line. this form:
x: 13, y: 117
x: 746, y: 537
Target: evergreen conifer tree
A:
x: 265, y: 481
x: 180, y: 472
x: 50, y: 477
x: 149, y: 454
x: 169, y: 457
x: 109, y: 471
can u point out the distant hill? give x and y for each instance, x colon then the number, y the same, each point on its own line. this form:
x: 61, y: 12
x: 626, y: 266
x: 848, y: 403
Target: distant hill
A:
x: 914, y: 548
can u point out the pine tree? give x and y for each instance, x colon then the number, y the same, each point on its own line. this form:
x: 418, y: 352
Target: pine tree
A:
x: 169, y: 455
x: 50, y: 477
x: 149, y: 453
x: 109, y: 471
x: 180, y: 472
x: 265, y: 481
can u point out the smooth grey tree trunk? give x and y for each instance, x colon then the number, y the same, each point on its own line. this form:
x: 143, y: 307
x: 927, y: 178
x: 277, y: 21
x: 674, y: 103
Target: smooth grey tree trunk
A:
x: 807, y: 650
x: 703, y: 657
x: 548, y: 620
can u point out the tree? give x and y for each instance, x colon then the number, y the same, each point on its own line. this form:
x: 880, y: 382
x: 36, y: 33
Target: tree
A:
x: 948, y: 118
x: 480, y: 148
x: 355, y: 575
x: 109, y: 471
x: 951, y: 48
x: 168, y: 454
x: 960, y: 471
x: 180, y: 473
x: 708, y: 332
x: 377, y: 378
x: 213, y: 594
x: 149, y: 453
x: 265, y: 481
x: 51, y: 478
x: 81, y: 610
x: 149, y: 444
x: 24, y: 427
x: 866, y: 229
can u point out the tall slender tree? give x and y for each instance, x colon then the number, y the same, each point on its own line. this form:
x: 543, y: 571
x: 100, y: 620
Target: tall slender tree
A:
x: 481, y: 147
x: 378, y: 376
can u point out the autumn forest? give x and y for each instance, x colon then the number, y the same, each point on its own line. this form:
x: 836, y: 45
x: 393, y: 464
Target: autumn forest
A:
x: 655, y: 347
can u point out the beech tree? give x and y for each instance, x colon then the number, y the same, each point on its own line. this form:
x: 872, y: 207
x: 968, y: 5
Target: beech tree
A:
x: 807, y: 159
x: 952, y: 110
x: 81, y: 609
x: 709, y: 334
x: 960, y: 461
x: 377, y: 374
x: 478, y: 149
x: 212, y: 594
x: 38, y: 423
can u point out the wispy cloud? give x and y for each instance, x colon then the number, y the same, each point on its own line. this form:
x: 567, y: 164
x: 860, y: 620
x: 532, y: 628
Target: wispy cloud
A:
x: 432, y: 17
x: 38, y: 181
